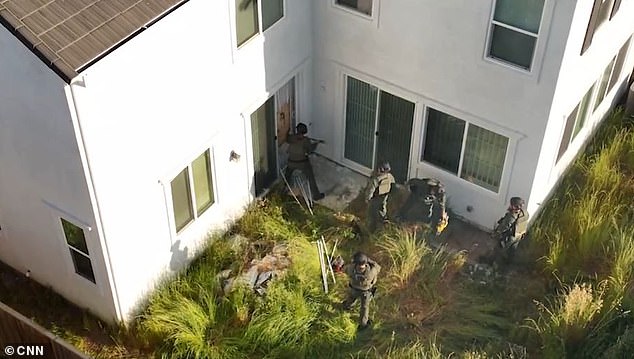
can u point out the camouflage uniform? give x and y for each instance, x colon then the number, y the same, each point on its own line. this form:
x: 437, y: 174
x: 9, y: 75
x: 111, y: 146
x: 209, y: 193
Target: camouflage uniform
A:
x: 378, y: 193
x: 426, y: 202
x: 299, y: 147
x: 511, y: 228
x: 362, y: 285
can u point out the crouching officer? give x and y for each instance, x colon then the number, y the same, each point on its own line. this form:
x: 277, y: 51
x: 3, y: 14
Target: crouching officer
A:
x: 363, y: 273
x: 511, y: 228
x: 299, y: 147
x: 426, y: 203
x: 378, y: 192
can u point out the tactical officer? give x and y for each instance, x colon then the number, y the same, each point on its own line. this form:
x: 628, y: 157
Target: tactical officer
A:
x: 426, y: 203
x: 299, y: 147
x: 511, y: 228
x: 363, y: 273
x: 378, y: 192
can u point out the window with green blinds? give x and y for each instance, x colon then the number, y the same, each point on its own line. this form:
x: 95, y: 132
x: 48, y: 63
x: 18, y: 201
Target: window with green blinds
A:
x: 484, y: 156
x: 361, y: 104
x: 478, y: 157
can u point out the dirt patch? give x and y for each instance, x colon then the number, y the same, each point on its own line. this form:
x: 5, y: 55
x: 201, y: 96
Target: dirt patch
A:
x: 458, y: 236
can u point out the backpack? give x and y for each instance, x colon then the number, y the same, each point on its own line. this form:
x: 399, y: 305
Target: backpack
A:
x: 516, y: 230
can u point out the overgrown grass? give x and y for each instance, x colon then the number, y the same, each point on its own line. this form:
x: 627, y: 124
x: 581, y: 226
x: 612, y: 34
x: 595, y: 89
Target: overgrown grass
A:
x: 584, y: 223
x: 586, y: 234
x: 404, y: 251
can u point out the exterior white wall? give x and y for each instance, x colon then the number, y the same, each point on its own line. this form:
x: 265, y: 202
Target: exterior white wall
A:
x: 433, y: 53
x: 149, y: 108
x: 578, y: 73
x: 42, y: 179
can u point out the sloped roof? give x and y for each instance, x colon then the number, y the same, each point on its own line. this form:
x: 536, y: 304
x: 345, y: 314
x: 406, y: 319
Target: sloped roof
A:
x: 69, y: 35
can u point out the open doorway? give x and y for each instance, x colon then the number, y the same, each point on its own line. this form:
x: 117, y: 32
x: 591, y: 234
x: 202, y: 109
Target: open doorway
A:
x: 270, y: 124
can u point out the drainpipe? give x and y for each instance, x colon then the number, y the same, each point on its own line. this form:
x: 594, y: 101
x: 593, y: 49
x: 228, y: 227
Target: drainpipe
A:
x: 81, y: 144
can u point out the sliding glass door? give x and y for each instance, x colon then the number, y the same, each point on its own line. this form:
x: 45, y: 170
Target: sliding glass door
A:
x: 378, y: 128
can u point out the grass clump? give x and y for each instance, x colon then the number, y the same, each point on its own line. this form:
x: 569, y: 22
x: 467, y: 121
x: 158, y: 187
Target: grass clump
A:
x: 564, y: 324
x: 404, y: 251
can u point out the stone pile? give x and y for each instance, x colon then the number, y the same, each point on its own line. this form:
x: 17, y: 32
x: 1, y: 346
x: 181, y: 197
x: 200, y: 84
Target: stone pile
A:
x: 260, y: 272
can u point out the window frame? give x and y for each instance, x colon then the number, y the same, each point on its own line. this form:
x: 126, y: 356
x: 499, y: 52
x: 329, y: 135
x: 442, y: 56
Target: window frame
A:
x: 594, y: 24
x: 68, y: 247
x: 571, y: 125
x: 260, y: 31
x: 169, y: 198
x: 468, y: 123
x: 374, y: 9
x: 537, y: 49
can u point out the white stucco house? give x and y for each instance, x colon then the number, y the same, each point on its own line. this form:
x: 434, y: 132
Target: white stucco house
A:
x: 131, y: 128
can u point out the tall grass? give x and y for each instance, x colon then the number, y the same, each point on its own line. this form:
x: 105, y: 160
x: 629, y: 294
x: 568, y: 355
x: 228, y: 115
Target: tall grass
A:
x: 193, y: 318
x: 191, y: 327
x: 438, y: 265
x: 586, y: 232
x: 412, y: 350
x: 577, y: 227
x: 404, y: 251
x: 564, y: 324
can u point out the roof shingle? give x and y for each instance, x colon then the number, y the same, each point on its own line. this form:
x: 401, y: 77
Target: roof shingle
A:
x: 70, y: 34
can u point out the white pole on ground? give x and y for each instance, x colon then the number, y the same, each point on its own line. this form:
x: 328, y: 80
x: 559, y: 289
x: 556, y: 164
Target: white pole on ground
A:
x: 303, y: 186
x: 329, y: 259
x: 324, y: 277
x: 289, y: 188
x: 334, y: 248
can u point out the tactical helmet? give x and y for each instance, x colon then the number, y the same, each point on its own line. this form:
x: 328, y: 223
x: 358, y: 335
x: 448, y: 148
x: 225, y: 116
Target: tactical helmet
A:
x: 385, y: 167
x: 302, y: 128
x: 359, y: 258
x: 517, y: 202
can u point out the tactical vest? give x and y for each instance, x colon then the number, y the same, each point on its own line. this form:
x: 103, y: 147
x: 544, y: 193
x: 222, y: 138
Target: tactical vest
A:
x: 517, y: 229
x: 385, y: 184
x: 521, y: 224
x: 297, y: 148
x: 363, y: 280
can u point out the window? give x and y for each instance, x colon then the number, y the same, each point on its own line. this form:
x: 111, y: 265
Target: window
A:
x: 602, y: 11
x: 76, y: 242
x: 618, y: 66
x: 514, y: 31
x: 575, y: 121
x: 472, y: 152
x: 248, y: 18
x: 602, y: 84
x: 610, y: 76
x: 362, y: 6
x: 192, y: 191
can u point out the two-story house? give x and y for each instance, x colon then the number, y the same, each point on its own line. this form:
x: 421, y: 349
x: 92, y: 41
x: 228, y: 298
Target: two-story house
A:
x: 129, y: 129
